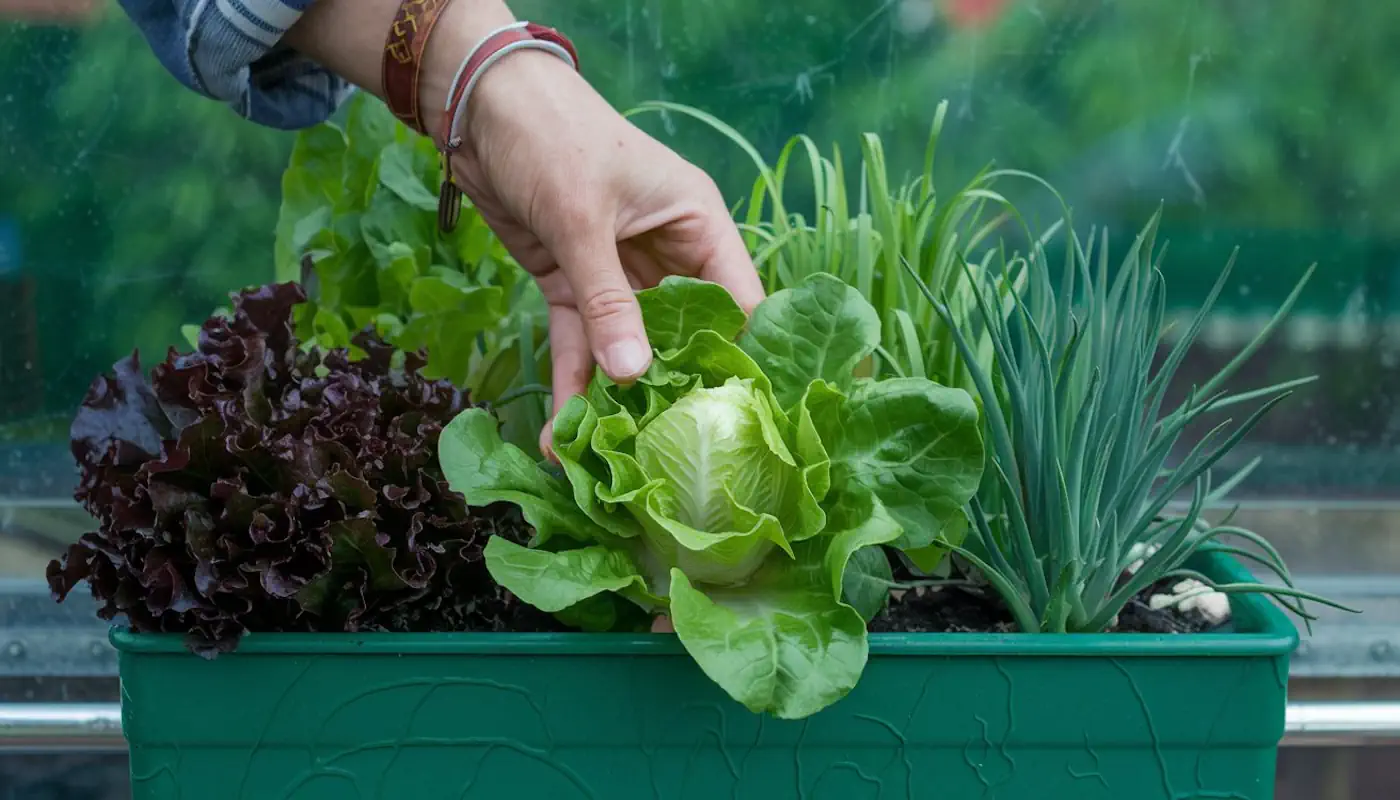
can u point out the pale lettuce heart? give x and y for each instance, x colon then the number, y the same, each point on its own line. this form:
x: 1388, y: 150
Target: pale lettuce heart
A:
x: 723, y: 477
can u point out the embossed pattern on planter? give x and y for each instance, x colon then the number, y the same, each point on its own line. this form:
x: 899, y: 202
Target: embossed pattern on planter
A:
x: 652, y: 727
x: 613, y: 717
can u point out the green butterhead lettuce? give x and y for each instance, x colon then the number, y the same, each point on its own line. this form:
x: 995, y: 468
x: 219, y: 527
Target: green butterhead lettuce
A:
x: 744, y: 485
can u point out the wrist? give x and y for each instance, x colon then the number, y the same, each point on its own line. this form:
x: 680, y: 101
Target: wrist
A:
x: 520, y: 90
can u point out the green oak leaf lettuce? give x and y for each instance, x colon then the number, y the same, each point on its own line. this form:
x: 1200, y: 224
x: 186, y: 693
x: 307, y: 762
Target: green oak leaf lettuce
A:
x: 744, y: 486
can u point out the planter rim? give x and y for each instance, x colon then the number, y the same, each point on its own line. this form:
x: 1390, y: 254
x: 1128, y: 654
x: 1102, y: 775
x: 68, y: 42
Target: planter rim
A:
x: 1266, y: 632
x: 1089, y: 645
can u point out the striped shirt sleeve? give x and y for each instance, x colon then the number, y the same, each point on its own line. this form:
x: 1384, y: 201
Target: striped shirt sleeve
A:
x: 231, y: 50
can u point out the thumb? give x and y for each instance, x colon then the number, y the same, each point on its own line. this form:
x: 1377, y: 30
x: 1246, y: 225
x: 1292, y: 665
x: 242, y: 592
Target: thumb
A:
x: 612, y: 318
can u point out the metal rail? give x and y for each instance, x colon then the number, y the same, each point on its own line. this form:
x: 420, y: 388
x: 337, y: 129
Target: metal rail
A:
x: 1337, y: 724
x: 61, y: 727
x: 97, y: 727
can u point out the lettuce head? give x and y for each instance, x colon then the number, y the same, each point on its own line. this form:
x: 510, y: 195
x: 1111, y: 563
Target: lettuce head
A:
x: 745, y: 485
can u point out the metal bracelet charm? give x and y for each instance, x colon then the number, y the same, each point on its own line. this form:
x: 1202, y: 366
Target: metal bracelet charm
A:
x: 493, y: 47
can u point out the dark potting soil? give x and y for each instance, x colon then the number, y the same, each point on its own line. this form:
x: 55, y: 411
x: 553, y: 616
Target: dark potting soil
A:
x: 964, y: 607
x: 972, y: 608
x: 500, y: 611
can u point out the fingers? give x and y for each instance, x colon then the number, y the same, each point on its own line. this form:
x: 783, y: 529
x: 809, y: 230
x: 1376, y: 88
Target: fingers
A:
x: 611, y: 317
x: 662, y: 624
x: 572, y: 362
x: 730, y: 265
x: 572, y: 365
x: 547, y: 441
x: 643, y: 268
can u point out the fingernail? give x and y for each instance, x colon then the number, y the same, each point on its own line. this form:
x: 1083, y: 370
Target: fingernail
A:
x: 625, y: 359
x: 547, y: 442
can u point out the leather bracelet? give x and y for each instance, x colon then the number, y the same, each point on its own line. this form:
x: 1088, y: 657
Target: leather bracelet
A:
x: 402, y: 65
x: 492, y: 48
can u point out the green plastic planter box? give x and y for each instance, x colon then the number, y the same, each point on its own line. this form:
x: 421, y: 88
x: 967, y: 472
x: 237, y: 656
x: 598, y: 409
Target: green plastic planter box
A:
x: 622, y: 717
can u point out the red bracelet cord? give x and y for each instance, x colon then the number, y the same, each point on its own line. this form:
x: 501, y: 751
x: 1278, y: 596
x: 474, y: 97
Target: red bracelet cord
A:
x: 495, y: 46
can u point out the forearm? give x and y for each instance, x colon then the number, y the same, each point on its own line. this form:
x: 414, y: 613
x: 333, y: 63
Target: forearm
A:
x: 347, y: 37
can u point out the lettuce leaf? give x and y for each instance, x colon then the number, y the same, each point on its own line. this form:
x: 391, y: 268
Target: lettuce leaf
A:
x: 746, y: 485
x: 257, y: 484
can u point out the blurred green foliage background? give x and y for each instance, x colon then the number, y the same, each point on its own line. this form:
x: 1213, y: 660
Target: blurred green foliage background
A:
x: 138, y: 205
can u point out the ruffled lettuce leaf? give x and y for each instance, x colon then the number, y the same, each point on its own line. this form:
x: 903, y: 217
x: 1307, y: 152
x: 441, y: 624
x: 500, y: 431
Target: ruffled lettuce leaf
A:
x: 258, y: 484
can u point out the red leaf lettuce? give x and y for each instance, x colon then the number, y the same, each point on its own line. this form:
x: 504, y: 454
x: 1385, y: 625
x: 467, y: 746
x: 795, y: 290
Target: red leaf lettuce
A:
x: 255, y: 485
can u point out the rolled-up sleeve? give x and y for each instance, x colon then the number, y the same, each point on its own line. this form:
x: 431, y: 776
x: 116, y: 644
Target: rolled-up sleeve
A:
x: 231, y: 50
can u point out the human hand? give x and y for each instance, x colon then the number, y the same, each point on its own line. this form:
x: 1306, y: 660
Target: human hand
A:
x: 594, y: 209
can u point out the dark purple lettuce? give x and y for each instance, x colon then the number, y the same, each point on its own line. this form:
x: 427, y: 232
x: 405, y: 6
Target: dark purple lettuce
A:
x: 255, y: 485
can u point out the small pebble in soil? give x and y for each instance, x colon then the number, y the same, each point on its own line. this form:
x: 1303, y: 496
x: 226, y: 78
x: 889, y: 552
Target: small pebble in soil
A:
x: 1192, y: 595
x: 1138, y: 555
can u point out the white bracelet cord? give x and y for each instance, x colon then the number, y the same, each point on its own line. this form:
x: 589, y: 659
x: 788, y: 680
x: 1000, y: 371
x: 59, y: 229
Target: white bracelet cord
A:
x: 454, y: 140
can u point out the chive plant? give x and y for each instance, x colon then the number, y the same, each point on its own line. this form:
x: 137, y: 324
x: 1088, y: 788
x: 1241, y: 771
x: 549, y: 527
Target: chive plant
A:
x: 1080, y: 437
x: 864, y: 239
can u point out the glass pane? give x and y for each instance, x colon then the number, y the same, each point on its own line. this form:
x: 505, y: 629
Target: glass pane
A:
x: 1125, y: 107
x: 130, y: 207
